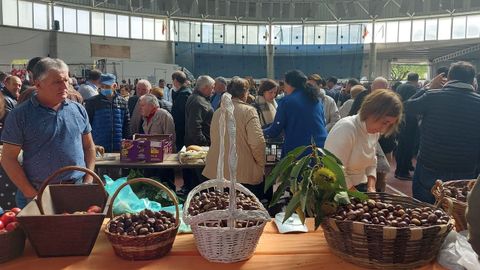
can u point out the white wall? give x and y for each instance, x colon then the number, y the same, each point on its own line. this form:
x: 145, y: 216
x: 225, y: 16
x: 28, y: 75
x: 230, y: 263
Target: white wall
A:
x: 18, y: 43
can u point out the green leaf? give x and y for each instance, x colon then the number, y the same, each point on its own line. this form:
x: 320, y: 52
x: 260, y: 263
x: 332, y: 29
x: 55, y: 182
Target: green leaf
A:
x: 357, y: 194
x: 305, y: 190
x: 318, y: 215
x: 279, y: 168
x: 301, y: 214
x: 292, y: 206
x: 278, y: 193
x: 330, y: 163
x: 325, y: 152
x: 295, y: 153
x: 342, y: 198
x: 298, y: 167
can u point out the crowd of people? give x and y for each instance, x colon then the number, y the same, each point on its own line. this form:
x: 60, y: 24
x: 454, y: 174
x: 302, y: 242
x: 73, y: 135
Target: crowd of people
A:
x: 430, y: 130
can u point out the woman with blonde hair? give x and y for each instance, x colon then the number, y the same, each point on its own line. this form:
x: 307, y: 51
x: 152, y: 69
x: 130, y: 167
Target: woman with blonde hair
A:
x: 354, y: 138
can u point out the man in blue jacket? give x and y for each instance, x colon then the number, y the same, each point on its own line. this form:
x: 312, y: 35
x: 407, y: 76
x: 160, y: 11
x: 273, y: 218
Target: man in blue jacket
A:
x: 108, y: 114
x: 449, y: 132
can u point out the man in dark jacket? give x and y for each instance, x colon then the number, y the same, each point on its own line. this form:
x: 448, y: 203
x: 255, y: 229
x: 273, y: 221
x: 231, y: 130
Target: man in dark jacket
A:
x: 180, y: 96
x: 449, y: 132
x: 11, y: 92
x: 199, y: 112
x: 108, y: 115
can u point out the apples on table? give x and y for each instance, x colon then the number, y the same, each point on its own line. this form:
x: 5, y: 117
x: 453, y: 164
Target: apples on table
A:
x: 8, y: 221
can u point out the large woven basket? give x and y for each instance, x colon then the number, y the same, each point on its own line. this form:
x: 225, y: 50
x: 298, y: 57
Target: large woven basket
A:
x: 143, y: 247
x: 452, y: 206
x: 381, y: 247
x: 226, y: 244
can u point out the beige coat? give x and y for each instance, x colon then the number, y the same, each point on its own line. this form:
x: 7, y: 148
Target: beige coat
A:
x: 250, y: 146
x: 161, y: 123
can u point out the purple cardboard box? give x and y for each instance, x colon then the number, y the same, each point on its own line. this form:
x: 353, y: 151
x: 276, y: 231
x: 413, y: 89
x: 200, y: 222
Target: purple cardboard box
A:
x: 133, y: 150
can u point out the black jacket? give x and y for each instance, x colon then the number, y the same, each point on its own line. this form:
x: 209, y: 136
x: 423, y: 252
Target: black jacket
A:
x: 178, y: 113
x: 198, y: 116
x: 450, y: 127
x: 10, y: 103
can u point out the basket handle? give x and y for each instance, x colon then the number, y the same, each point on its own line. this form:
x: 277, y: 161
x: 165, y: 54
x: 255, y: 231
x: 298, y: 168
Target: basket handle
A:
x: 437, y: 190
x: 151, y: 182
x: 45, y: 183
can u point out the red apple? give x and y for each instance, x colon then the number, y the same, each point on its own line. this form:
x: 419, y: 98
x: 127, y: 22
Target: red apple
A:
x: 12, y: 226
x: 16, y: 210
x: 8, y: 217
x: 94, y: 209
x: 1, y: 225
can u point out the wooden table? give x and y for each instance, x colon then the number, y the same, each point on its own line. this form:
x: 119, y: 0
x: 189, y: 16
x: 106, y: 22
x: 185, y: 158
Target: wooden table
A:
x: 274, y: 251
x: 171, y: 162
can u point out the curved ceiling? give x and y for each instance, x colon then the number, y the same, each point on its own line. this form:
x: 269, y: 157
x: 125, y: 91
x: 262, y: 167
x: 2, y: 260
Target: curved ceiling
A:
x: 286, y: 10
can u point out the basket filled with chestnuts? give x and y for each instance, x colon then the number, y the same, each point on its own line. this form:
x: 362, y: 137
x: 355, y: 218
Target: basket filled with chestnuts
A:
x: 452, y: 197
x: 387, y: 231
x: 226, y: 218
x: 145, y: 235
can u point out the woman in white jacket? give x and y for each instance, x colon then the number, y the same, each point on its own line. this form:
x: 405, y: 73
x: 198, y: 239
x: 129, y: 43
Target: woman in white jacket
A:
x: 354, y: 138
x: 330, y: 108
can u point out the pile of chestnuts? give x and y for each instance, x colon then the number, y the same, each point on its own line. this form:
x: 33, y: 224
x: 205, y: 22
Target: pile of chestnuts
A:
x: 143, y: 223
x: 387, y: 214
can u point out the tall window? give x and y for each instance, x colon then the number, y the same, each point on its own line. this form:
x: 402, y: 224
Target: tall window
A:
x: 331, y: 34
x: 148, y: 28
x: 404, y: 31
x: 241, y: 34
x: 418, y: 27
x: 83, y: 21
x: 40, y: 16
x: 343, y: 33
x: 459, y: 25
x: 309, y: 34
x: 98, y: 24
x: 355, y: 33
x: 473, y: 26
x: 444, y: 28
x: 123, y: 26
x: 297, y: 34
x: 320, y: 34
x: 207, y: 32
x: 160, y: 29
x: 110, y: 25
x: 136, y: 27
x: 252, y: 34
x: 70, y: 24
x: 380, y: 32
x: 392, y: 32
x: 9, y: 11
x: 195, y: 34
x: 431, y: 29
x: 58, y: 16
x: 25, y: 16
x: 229, y: 33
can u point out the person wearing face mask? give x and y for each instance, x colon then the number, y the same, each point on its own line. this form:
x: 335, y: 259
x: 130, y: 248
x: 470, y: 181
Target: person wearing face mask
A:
x: 354, y: 138
x: 108, y: 115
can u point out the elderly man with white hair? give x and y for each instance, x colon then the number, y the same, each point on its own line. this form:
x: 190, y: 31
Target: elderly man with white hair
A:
x: 199, y: 113
x: 143, y: 87
x: 155, y: 119
x: 379, y: 83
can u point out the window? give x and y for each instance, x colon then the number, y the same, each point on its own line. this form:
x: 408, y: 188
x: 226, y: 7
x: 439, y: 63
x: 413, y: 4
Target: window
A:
x: 148, y: 28
x: 355, y: 33
x: 320, y: 34
x: 25, y: 16
x: 241, y: 34
x: 331, y: 34
x: 229, y: 33
x: 297, y: 34
x: 97, y: 24
x: 343, y: 33
x: 309, y: 34
x: 380, y: 32
x: 160, y: 29
x: 392, y: 32
x: 9, y: 12
x: 473, y: 26
x: 183, y: 31
x: 263, y: 34
x: 459, y: 25
x: 195, y: 35
x: 123, y: 26
x: 83, y: 21
x: 70, y: 24
x: 40, y: 16
x: 431, y: 29
x: 110, y: 25
x: 173, y: 28
x: 444, y: 28
x: 58, y: 16
x: 136, y: 28
x: 404, y: 31
x: 218, y: 33
x: 252, y: 34
x: 418, y: 30
x: 367, y: 32
x: 207, y: 32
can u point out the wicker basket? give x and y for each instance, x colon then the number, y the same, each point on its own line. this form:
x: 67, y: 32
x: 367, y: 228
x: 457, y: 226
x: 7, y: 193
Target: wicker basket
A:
x: 151, y: 246
x: 381, y: 247
x: 11, y: 245
x: 53, y: 234
x: 452, y: 206
x: 226, y: 244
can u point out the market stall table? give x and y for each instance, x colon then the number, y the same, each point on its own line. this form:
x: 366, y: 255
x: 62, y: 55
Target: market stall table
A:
x: 274, y: 251
x: 171, y: 162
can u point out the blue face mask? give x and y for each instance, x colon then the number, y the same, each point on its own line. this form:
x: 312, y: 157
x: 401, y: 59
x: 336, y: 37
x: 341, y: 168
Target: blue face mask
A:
x: 106, y: 92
